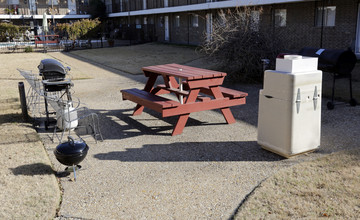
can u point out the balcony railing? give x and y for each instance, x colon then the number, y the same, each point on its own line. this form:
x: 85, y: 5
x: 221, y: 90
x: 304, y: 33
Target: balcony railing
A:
x: 40, y: 9
x: 136, y: 5
x: 114, y: 6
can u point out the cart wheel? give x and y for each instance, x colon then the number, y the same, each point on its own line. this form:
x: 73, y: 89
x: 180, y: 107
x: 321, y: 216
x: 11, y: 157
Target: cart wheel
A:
x: 330, y: 105
x: 353, y: 102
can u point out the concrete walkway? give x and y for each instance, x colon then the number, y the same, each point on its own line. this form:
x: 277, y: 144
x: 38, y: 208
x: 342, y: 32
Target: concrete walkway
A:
x: 141, y: 172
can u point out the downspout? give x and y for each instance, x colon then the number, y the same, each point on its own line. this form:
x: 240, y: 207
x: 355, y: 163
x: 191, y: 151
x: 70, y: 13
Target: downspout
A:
x: 188, y: 28
x: 188, y: 23
x: 129, y: 26
x: 128, y: 8
x: 272, y: 19
x: 322, y: 23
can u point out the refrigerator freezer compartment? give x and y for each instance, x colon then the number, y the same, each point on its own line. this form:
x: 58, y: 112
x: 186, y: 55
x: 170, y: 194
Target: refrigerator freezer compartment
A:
x: 296, y: 64
x: 286, y: 86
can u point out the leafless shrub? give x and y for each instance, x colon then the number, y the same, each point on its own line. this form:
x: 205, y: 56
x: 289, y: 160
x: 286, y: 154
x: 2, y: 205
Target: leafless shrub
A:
x: 238, y: 44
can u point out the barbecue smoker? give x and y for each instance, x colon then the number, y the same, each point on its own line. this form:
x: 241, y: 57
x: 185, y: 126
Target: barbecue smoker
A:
x: 340, y: 63
x: 53, y: 78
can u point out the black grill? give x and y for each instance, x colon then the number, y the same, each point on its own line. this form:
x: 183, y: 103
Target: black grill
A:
x: 340, y: 63
x: 53, y: 74
x: 52, y: 70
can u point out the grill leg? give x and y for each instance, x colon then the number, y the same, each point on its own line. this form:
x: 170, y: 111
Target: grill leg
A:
x: 330, y: 105
x: 333, y: 90
x: 47, y: 115
x: 351, y: 95
x: 353, y: 102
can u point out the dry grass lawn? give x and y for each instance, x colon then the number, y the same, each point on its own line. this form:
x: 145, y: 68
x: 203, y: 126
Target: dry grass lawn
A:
x: 28, y: 186
x: 327, y: 187
x: 130, y: 59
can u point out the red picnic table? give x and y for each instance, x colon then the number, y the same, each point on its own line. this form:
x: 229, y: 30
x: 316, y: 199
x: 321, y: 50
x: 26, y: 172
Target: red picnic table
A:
x: 196, y: 89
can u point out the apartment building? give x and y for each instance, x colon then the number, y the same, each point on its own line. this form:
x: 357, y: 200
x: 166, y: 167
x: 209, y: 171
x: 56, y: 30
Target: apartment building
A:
x: 24, y: 12
x: 316, y: 23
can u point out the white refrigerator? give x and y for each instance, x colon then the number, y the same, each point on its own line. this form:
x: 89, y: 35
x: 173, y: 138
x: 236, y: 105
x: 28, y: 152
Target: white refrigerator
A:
x: 289, y: 120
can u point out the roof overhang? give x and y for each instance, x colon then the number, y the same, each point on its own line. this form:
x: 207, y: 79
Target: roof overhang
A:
x: 9, y: 17
x: 204, y: 6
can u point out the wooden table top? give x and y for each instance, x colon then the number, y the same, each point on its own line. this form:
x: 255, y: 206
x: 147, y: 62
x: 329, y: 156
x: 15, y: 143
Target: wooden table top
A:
x: 185, y: 72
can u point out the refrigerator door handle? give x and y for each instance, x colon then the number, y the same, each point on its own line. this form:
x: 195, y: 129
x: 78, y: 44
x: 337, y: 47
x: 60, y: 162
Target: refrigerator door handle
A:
x: 298, y: 101
x: 316, y: 96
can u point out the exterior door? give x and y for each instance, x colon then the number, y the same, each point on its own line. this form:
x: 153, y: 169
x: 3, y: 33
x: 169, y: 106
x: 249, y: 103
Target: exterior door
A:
x: 166, y: 21
x: 209, y: 29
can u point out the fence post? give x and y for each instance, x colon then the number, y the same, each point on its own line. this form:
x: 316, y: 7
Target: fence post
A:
x: 23, y: 101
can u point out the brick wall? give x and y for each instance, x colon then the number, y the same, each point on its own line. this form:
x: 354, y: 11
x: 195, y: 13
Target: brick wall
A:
x: 300, y: 30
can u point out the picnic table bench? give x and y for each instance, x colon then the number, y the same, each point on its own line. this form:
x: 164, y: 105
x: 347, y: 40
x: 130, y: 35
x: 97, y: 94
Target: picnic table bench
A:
x: 197, y: 90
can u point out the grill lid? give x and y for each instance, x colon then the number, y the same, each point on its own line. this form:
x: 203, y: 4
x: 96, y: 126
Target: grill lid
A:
x: 332, y: 60
x: 51, y: 65
x: 71, y: 147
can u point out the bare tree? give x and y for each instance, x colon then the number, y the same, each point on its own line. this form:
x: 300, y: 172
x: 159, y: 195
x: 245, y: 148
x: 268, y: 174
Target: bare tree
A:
x: 239, y: 44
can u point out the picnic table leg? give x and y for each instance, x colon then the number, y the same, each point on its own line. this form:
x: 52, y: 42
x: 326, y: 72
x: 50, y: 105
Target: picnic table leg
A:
x: 225, y: 111
x: 148, y: 87
x: 150, y: 83
x: 183, y: 118
x: 138, y: 110
x: 228, y: 115
x: 179, y: 127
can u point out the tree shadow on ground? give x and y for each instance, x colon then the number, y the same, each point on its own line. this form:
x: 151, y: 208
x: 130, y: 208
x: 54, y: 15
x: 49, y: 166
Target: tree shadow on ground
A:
x: 33, y: 169
x: 193, y: 151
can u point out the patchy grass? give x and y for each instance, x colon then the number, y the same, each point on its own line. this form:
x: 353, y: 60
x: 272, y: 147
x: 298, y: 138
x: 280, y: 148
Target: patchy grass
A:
x: 131, y: 59
x: 327, y: 187
x: 28, y: 186
x: 29, y: 61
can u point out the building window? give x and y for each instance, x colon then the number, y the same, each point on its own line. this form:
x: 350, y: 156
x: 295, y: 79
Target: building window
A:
x: 12, y: 2
x: 328, y: 13
x: 144, y: 4
x: 108, y: 4
x: 280, y: 17
x: 177, y: 21
x: 195, y: 20
x: 52, y: 2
